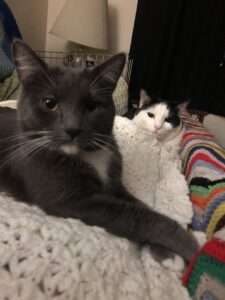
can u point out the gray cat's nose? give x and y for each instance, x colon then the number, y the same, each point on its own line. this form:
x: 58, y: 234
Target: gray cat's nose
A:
x: 72, y: 132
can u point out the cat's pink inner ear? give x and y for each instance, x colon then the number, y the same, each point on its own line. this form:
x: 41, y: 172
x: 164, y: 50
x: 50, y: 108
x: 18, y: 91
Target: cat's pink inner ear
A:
x: 183, y: 106
x: 141, y: 103
x: 144, y: 99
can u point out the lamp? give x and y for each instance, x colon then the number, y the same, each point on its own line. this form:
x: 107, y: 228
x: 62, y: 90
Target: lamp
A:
x: 84, y: 22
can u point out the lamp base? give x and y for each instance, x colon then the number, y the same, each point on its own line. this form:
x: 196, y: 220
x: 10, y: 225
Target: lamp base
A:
x: 79, y: 58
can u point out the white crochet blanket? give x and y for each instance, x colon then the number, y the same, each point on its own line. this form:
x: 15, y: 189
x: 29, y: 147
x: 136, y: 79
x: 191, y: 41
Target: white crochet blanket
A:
x: 43, y: 257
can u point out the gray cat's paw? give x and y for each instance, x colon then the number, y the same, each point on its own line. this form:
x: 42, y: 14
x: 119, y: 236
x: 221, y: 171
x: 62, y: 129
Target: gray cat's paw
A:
x: 201, y: 237
x: 175, y: 264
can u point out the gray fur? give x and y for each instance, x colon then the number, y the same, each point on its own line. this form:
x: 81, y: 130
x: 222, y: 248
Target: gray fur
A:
x: 67, y: 182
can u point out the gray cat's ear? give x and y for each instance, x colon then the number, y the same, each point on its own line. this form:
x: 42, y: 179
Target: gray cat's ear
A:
x: 110, y: 71
x: 183, y: 106
x: 27, y: 62
x: 144, y: 99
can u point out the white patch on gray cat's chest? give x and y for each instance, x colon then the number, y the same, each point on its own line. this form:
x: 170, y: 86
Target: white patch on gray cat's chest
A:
x: 70, y: 149
x: 99, y: 160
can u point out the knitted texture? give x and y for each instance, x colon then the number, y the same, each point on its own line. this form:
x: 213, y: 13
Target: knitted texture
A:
x: 203, y: 163
x: 205, y: 277
x: 43, y: 257
x: 9, y: 89
x: 120, y: 97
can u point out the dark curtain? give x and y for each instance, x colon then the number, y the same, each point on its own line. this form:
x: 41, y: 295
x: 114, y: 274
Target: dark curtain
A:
x: 178, y: 51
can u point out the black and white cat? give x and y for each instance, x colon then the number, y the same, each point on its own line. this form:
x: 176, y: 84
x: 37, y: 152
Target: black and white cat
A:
x: 58, y: 152
x: 162, y: 119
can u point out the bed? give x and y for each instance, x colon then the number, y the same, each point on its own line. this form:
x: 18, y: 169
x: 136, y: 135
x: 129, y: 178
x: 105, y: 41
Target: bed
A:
x: 97, y: 269
x: 203, y: 162
x: 97, y: 265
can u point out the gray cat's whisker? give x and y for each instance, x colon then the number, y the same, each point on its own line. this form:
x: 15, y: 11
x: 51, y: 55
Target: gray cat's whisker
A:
x: 28, y: 151
x: 94, y: 82
x: 35, y: 149
x: 21, y: 135
x: 104, y: 143
x: 24, y: 143
x: 18, y: 145
x: 71, y: 171
x: 105, y: 148
x: 26, y: 146
x: 14, y: 155
x: 102, y: 91
x: 102, y: 135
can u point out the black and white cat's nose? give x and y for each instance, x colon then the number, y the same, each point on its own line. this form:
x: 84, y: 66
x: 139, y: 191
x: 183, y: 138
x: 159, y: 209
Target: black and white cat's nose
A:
x: 72, y: 132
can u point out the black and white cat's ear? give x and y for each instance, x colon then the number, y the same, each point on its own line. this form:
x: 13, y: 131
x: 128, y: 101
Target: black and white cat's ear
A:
x: 27, y: 61
x: 144, y: 99
x: 111, y: 70
x: 183, y: 106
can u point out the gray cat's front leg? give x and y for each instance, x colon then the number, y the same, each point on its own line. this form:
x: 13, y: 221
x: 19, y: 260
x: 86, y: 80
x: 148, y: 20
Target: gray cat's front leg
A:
x: 130, y: 220
x: 167, y: 258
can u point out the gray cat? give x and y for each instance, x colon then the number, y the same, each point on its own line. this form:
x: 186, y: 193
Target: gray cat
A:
x: 58, y: 152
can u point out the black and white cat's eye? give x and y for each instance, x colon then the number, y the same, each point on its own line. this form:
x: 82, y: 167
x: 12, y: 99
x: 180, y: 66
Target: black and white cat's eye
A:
x: 50, y: 104
x: 168, y: 119
x: 151, y: 115
x: 91, y: 106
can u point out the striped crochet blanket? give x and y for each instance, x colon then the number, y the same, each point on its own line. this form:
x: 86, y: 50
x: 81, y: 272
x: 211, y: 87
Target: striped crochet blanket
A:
x: 203, y: 162
x: 204, y: 166
x: 205, y: 277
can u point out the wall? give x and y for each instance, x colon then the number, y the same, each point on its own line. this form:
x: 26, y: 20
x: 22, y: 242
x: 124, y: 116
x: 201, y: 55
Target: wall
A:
x: 31, y: 17
x: 35, y: 19
x: 54, y: 43
x: 121, y: 21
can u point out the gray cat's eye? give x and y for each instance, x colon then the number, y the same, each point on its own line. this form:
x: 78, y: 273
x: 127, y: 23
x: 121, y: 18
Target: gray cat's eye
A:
x: 151, y: 115
x: 50, y: 104
x: 91, y: 106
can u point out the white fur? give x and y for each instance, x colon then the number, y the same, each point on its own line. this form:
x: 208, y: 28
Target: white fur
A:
x: 70, y: 149
x: 162, y: 130
x: 99, y: 160
x: 46, y: 254
x: 157, y: 124
x: 177, y: 264
x: 201, y: 237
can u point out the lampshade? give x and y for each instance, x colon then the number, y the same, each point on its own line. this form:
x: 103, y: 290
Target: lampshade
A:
x: 84, y: 22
